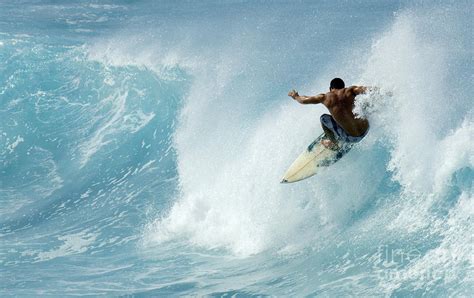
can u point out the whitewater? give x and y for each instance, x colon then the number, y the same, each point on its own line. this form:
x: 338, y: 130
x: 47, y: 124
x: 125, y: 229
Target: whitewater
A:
x: 142, y: 145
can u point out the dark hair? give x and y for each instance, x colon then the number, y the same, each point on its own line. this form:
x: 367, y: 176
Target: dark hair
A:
x: 337, y: 83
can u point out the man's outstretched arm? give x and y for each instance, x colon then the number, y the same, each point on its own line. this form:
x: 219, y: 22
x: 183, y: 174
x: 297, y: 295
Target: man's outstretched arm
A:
x: 307, y: 99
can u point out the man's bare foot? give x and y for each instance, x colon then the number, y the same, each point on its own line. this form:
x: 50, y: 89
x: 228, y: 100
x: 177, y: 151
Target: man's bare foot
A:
x: 329, y: 144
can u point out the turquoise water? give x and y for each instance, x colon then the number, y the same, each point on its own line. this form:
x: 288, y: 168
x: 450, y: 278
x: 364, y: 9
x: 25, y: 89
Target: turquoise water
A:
x: 142, y: 144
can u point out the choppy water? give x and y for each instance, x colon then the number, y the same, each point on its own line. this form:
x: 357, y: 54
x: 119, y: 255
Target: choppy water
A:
x: 142, y: 145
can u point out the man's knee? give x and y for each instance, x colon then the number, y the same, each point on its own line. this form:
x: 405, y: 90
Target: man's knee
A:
x: 324, y: 118
x: 325, y: 121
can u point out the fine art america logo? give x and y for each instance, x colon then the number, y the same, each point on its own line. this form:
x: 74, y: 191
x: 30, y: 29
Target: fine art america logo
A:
x: 398, y: 264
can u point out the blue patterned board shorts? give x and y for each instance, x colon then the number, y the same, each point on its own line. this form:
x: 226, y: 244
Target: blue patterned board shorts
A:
x: 339, y: 132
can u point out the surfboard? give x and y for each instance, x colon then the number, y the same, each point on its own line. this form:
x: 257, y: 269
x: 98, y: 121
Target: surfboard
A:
x: 313, y: 159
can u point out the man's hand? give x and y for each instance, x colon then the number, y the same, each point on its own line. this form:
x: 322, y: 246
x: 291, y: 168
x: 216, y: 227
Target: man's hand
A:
x: 293, y: 94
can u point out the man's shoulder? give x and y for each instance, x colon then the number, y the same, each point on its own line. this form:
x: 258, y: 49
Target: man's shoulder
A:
x: 348, y: 92
x: 330, y: 98
x: 350, y: 89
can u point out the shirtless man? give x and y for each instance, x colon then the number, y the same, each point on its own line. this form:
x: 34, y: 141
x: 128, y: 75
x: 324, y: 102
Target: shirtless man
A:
x: 342, y: 125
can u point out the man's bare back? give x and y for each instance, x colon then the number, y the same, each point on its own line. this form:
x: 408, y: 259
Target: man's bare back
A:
x: 340, y: 103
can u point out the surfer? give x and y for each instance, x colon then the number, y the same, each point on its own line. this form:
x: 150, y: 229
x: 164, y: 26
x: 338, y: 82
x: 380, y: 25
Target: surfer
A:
x: 342, y: 125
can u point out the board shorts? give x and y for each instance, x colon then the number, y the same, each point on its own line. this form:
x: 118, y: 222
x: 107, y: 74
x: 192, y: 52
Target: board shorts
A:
x: 329, y: 122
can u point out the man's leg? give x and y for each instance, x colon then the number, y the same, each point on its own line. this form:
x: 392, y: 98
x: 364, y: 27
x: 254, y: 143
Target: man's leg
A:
x: 329, y: 140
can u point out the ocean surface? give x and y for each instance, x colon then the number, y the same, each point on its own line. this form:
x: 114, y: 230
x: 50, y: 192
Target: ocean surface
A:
x: 142, y: 144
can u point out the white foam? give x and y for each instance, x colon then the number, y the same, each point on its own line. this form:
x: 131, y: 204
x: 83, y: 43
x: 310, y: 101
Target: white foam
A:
x: 426, y: 142
x: 72, y: 244
x: 11, y: 147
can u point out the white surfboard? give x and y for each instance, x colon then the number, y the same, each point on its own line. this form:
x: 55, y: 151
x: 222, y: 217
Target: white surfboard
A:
x: 312, y: 159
